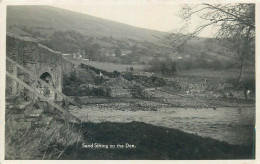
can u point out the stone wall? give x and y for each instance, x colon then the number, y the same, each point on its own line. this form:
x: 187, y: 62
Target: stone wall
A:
x: 36, y: 58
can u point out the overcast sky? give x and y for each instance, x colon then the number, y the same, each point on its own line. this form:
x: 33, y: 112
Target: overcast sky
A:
x: 161, y: 17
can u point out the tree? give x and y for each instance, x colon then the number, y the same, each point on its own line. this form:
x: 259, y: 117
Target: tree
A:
x: 92, y: 51
x: 234, y: 23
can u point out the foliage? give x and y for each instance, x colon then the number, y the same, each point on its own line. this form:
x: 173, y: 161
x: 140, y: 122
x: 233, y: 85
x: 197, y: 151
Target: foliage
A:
x: 137, y: 91
x: 164, y: 66
x: 248, y: 84
x: 92, y: 50
x: 230, y: 20
x: 146, y: 81
x: 71, y: 79
x: 198, y: 63
x: 33, y: 33
x: 233, y: 23
x: 129, y: 76
x: 65, y: 41
x: 116, y: 74
x: 73, y: 86
x: 84, y: 90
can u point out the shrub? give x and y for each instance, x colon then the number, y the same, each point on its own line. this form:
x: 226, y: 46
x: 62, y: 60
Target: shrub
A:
x: 152, y: 81
x: 71, y: 79
x: 137, y: 91
x: 166, y: 66
x: 99, y: 80
x: 116, y: 74
x: 129, y: 76
x: 73, y: 86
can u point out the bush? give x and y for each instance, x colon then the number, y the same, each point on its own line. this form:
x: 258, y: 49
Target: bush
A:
x: 116, y: 74
x: 129, y: 76
x: 152, y: 81
x: 166, y: 66
x: 137, y: 92
x: 73, y: 86
x: 71, y: 79
x: 84, y: 90
x: 200, y: 63
x: 99, y: 80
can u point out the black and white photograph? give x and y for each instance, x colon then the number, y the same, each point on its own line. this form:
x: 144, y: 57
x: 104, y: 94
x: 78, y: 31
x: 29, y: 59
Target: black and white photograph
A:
x: 130, y: 81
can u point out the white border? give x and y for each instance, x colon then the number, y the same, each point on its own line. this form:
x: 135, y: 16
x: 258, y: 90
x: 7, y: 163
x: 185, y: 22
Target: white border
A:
x: 3, y: 5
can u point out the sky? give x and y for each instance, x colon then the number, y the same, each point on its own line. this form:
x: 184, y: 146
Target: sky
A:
x: 161, y: 17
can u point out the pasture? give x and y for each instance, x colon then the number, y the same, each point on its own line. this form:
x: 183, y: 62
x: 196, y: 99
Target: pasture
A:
x: 223, y: 74
x: 109, y: 67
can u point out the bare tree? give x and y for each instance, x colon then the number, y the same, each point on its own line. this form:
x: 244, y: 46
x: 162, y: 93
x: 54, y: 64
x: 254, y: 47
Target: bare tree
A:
x: 232, y: 22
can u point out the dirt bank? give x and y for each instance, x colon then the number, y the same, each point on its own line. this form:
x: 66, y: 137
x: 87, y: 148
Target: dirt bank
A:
x: 151, y: 142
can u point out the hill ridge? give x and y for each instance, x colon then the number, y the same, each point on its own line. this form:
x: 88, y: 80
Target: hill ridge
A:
x: 65, y: 20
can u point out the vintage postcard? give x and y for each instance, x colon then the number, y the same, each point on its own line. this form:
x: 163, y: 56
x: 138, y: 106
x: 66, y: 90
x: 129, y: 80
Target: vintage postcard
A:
x: 123, y: 80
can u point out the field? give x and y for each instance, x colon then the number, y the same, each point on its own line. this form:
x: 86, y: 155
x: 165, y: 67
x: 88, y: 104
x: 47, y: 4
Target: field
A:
x: 220, y: 74
x: 110, y: 67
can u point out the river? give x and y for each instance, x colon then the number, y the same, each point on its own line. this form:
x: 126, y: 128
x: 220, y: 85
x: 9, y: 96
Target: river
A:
x: 230, y: 124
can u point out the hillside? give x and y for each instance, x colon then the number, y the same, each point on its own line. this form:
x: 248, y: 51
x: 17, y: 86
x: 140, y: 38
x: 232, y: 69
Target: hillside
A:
x: 98, y: 39
x: 49, y: 19
x: 71, y: 32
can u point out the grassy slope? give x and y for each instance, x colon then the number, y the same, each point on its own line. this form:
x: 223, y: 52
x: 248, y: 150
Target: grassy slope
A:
x: 152, y: 142
x: 62, y: 20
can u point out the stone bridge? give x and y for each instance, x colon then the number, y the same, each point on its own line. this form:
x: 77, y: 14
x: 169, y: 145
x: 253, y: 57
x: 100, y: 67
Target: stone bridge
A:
x: 43, y: 62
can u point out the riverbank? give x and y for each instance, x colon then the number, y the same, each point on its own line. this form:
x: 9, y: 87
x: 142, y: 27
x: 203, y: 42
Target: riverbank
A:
x: 150, y: 142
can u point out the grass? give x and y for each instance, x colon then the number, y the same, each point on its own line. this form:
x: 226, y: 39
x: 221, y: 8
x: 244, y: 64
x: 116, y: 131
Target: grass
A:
x: 48, y: 142
x: 109, y: 67
x: 221, y: 74
x: 152, y: 142
x: 64, y: 141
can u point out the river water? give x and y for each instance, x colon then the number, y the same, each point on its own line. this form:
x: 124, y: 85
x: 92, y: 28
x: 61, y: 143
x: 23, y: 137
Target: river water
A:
x: 232, y: 125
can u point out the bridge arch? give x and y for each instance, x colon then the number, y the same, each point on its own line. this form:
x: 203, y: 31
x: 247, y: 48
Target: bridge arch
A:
x: 39, y: 60
x: 47, y: 78
x: 45, y: 90
x: 52, y: 74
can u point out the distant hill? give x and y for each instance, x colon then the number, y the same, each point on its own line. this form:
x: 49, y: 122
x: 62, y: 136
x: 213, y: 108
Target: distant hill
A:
x: 71, y: 32
x: 49, y: 19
